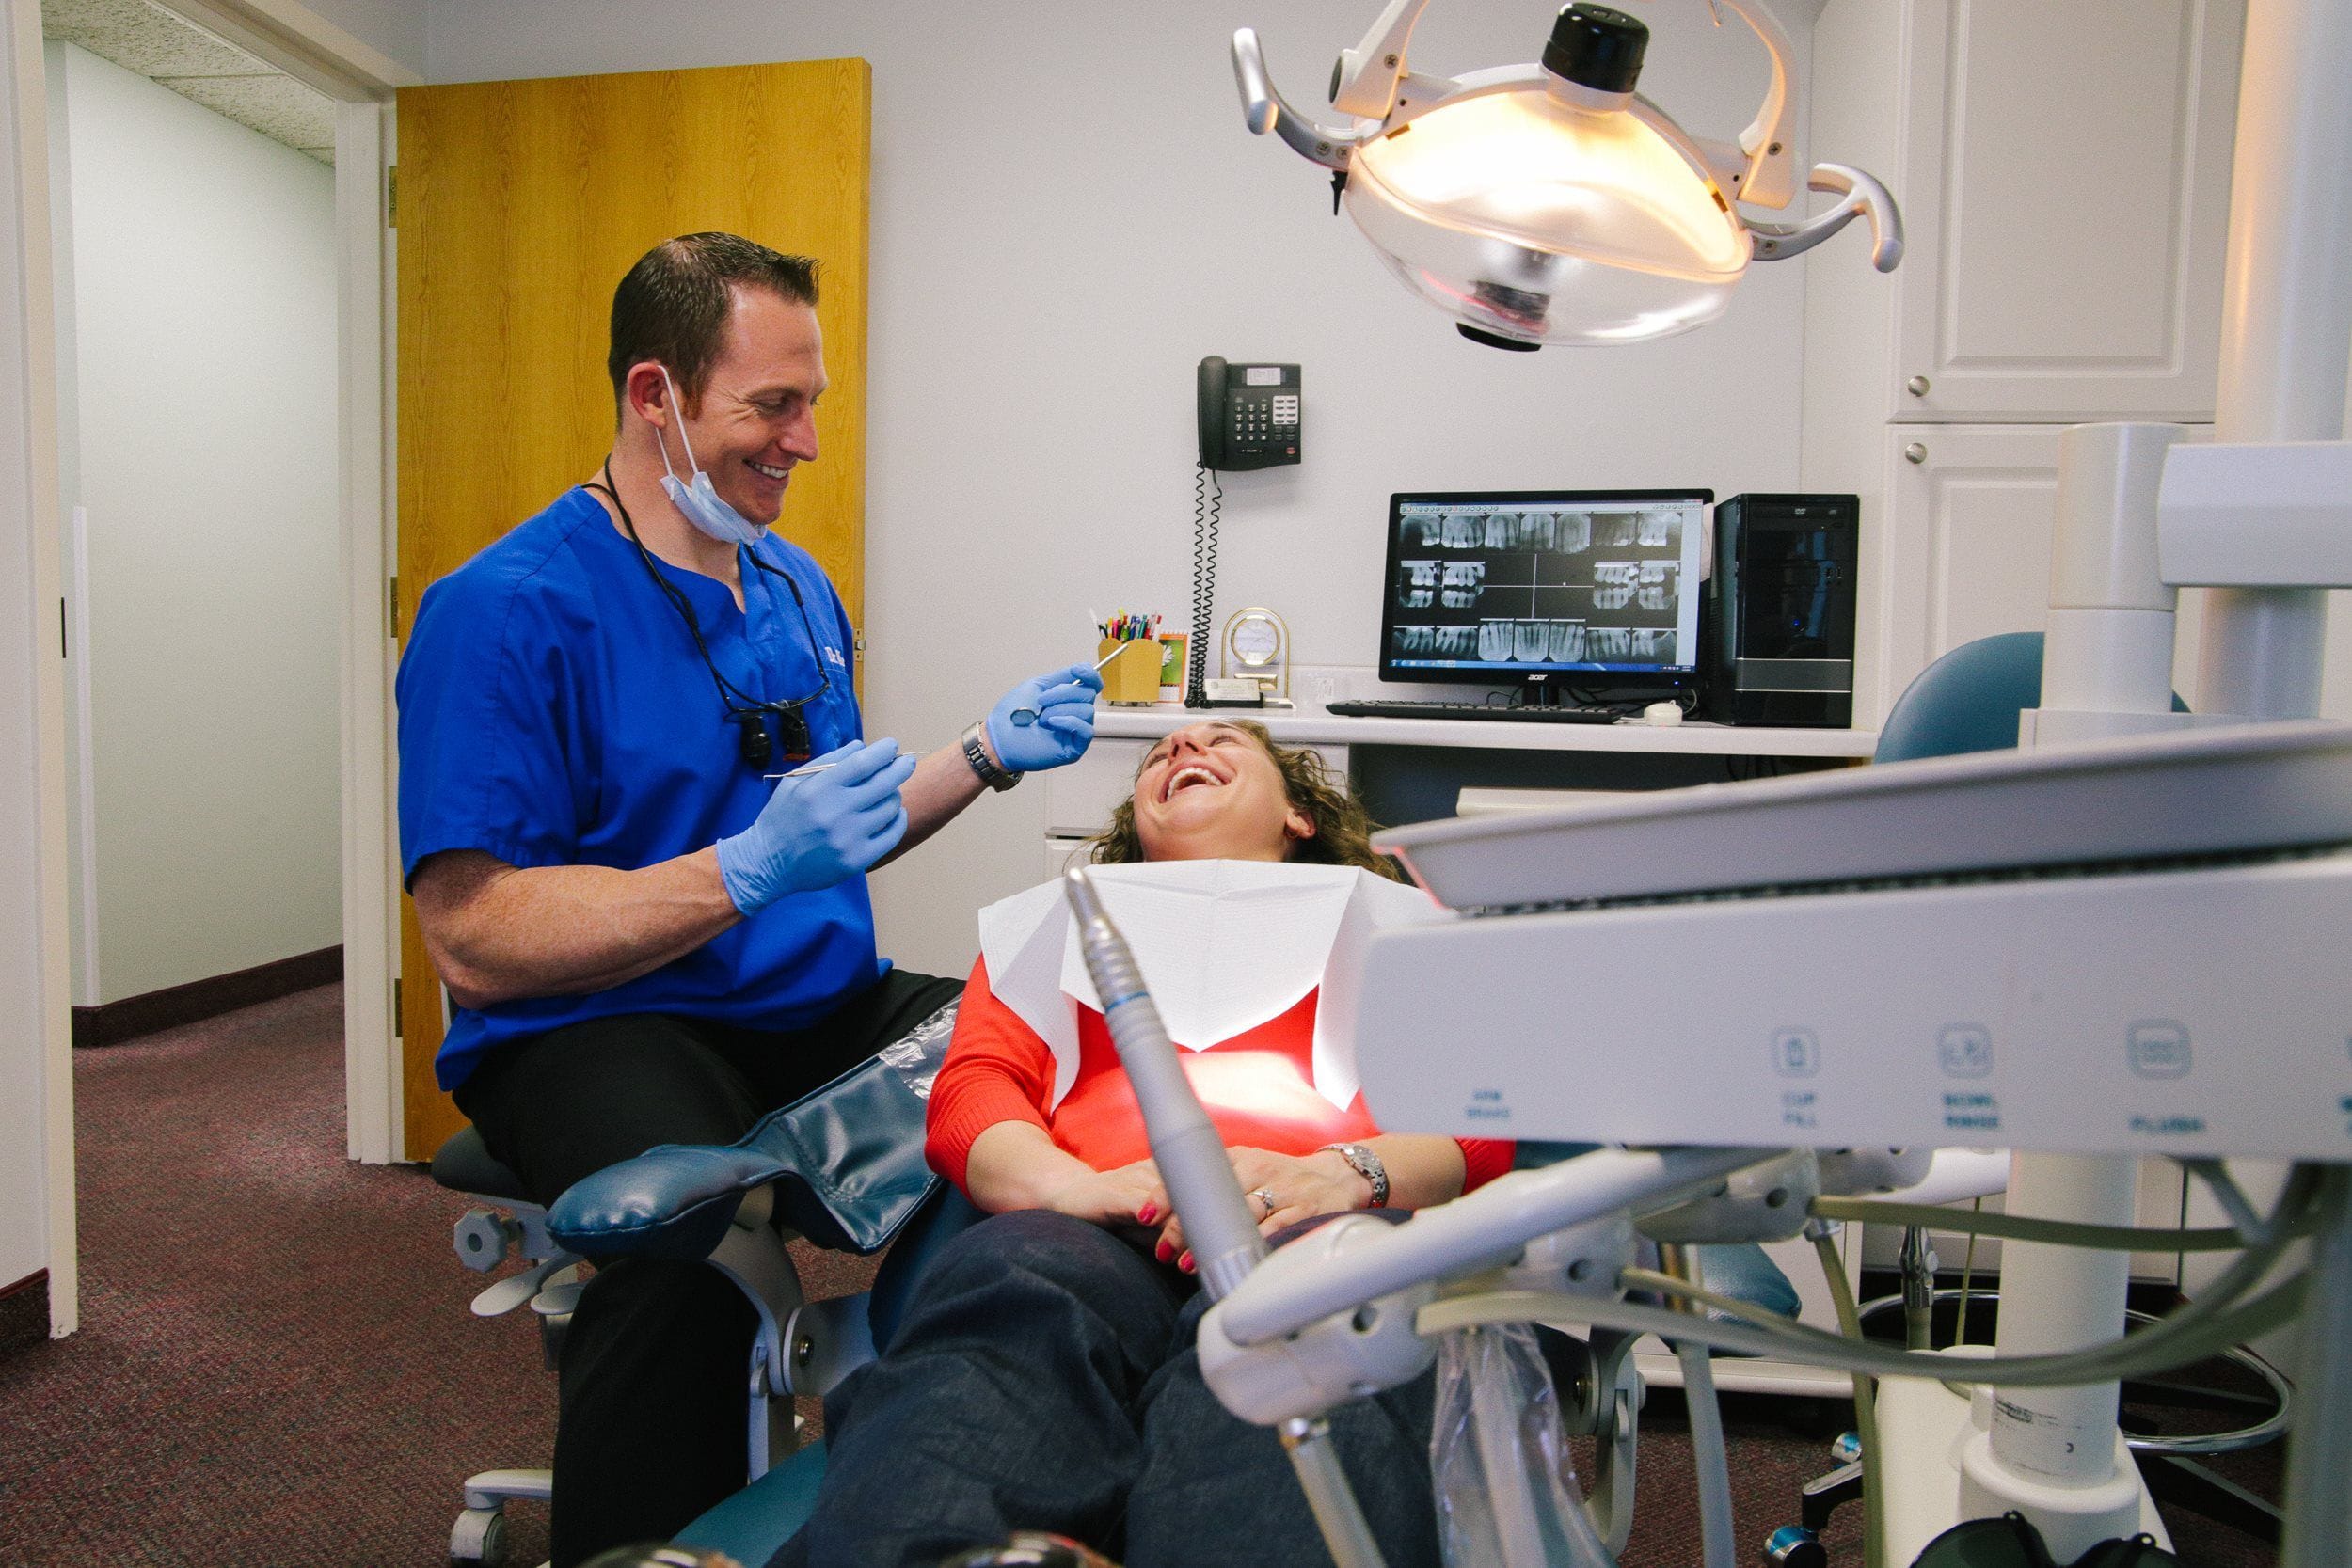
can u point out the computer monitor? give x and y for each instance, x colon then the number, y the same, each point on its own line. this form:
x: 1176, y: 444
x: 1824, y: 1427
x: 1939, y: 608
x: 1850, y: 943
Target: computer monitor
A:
x: 1570, y: 588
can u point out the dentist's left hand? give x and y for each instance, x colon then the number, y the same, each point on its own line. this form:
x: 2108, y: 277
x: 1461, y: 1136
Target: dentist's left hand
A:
x: 1063, y: 703
x: 819, y: 828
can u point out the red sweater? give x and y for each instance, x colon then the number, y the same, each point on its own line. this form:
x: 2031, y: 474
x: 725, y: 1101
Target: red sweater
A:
x: 1258, y: 1087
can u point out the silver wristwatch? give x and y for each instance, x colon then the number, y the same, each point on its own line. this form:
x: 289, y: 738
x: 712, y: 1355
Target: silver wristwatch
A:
x: 975, y: 752
x: 1367, y: 1165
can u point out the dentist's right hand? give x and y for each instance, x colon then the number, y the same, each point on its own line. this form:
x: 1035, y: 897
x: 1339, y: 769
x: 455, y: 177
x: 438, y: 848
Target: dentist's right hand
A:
x: 818, y: 829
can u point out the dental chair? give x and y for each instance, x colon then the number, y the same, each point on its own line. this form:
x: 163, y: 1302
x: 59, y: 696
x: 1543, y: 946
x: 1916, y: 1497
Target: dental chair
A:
x: 841, y: 1167
x: 673, y: 1201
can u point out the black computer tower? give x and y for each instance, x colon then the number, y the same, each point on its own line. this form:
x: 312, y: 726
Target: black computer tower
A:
x: 1781, y: 605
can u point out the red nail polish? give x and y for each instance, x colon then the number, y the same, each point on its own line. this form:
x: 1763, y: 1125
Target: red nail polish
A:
x: 1185, y: 1262
x: 1162, y: 1252
x: 1149, y: 1212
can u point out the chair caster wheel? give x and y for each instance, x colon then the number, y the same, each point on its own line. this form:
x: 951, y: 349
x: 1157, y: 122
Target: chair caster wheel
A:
x: 1794, y: 1546
x: 478, y: 1536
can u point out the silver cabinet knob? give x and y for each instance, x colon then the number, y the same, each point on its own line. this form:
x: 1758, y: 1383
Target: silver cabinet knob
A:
x: 1914, y: 453
x: 1917, y: 385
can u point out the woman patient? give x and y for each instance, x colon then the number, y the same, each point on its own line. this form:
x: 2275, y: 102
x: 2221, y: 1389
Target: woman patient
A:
x: 1043, y: 1375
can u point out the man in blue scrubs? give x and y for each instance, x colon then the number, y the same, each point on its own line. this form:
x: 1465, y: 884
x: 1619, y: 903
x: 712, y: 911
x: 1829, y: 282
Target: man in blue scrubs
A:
x: 648, y: 935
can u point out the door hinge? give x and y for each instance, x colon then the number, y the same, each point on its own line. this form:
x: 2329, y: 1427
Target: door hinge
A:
x: 63, y: 651
x: 391, y: 195
x: 391, y: 587
x: 396, y: 1034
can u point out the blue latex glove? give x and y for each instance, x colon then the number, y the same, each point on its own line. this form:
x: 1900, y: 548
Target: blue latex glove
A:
x: 819, y: 828
x: 1046, y: 721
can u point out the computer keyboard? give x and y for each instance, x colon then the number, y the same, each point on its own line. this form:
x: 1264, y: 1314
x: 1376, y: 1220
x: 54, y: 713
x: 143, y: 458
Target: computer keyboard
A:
x: 1399, y: 710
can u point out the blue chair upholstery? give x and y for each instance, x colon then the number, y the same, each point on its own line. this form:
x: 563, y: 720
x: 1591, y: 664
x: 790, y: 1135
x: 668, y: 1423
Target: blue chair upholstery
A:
x: 754, y: 1525
x: 846, y: 1161
x: 1968, y: 701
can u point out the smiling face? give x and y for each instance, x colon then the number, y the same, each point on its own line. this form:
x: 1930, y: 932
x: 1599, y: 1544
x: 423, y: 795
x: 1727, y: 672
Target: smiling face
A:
x: 1211, y: 792
x: 756, y: 419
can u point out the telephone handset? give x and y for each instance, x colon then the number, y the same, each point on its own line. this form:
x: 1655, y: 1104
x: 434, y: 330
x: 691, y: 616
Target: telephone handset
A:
x: 1249, y: 415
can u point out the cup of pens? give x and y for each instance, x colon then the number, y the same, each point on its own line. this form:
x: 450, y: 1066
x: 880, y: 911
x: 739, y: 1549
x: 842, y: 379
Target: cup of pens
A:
x: 1130, y: 659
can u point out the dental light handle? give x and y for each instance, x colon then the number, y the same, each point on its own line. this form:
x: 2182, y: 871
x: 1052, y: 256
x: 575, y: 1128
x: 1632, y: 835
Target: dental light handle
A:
x: 1264, y: 109
x: 1191, y: 1156
x: 1865, y: 199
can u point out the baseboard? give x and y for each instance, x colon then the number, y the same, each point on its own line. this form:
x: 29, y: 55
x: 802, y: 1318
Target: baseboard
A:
x: 115, y: 1022
x: 24, y: 1312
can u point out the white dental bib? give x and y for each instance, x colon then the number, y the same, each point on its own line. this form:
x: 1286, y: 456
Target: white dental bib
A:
x: 1224, y: 946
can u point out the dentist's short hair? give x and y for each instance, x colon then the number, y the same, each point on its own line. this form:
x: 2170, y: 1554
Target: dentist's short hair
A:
x: 673, y: 306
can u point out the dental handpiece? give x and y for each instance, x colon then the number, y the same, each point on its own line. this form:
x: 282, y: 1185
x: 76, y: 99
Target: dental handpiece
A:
x: 1184, y: 1143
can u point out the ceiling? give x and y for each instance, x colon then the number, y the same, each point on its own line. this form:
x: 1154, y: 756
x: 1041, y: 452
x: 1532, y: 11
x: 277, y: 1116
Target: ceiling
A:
x: 174, y: 53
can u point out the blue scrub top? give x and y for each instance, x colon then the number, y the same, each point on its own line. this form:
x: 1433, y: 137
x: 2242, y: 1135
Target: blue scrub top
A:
x: 553, y: 712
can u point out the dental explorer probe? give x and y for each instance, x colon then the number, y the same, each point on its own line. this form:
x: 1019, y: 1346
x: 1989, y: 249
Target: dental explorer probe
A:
x: 807, y: 768
x: 1024, y: 716
x: 1192, y: 1162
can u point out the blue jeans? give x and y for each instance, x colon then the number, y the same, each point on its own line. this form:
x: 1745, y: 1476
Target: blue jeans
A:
x: 1044, y: 1378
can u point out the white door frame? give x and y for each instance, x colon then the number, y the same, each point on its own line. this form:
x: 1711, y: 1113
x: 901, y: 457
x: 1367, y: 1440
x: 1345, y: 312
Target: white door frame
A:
x: 35, y: 986
x: 361, y: 80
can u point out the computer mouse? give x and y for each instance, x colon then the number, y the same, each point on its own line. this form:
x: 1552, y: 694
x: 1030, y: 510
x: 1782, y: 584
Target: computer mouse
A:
x: 1663, y: 712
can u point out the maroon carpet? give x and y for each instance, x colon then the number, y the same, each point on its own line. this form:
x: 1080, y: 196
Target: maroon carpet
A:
x: 275, y: 1364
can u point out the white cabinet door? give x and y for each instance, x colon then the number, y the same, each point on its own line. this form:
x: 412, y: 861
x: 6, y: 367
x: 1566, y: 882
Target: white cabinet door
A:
x: 1963, y: 543
x: 2065, y: 187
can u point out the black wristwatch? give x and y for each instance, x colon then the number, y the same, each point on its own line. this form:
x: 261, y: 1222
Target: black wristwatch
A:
x: 975, y: 752
x: 1367, y: 1165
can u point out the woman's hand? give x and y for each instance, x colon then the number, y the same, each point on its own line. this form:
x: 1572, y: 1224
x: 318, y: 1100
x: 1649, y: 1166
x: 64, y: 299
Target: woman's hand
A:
x: 1282, y: 1189
x: 1127, y: 1196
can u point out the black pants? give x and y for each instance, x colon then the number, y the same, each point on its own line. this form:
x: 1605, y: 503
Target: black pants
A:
x: 650, y: 1426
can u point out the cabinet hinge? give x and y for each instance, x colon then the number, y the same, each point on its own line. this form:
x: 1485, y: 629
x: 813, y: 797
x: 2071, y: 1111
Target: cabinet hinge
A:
x: 396, y: 1034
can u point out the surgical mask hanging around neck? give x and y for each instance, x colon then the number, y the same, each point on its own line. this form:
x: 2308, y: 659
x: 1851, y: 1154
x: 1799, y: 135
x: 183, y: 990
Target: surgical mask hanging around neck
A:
x: 698, y: 502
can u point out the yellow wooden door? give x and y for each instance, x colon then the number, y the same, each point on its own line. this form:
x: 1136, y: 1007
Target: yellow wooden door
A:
x: 520, y: 205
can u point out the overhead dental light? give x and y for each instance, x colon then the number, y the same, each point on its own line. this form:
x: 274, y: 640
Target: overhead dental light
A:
x: 1550, y: 203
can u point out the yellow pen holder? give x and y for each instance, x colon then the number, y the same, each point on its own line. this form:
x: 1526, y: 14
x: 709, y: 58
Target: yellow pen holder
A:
x: 1133, y: 674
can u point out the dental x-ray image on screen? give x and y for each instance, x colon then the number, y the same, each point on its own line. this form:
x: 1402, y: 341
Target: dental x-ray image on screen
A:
x: 1537, y: 582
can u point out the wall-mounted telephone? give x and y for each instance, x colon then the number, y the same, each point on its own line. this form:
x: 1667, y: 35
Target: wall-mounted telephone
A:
x: 1249, y: 415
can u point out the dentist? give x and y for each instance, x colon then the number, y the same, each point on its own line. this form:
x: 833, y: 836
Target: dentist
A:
x: 647, y: 935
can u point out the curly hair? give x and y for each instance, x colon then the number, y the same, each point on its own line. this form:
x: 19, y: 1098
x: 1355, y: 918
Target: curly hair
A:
x: 1343, y: 829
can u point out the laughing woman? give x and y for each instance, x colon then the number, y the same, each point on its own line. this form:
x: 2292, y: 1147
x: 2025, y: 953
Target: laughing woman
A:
x: 1043, y: 1375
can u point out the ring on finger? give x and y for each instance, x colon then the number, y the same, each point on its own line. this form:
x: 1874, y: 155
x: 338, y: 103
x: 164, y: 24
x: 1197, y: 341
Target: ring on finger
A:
x: 1266, y: 1200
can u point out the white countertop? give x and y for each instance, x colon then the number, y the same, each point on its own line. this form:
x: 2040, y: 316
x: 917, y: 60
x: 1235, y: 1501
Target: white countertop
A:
x: 1313, y: 726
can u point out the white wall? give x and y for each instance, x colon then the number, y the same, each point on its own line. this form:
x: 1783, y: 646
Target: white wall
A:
x: 1068, y: 215
x: 200, y: 434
